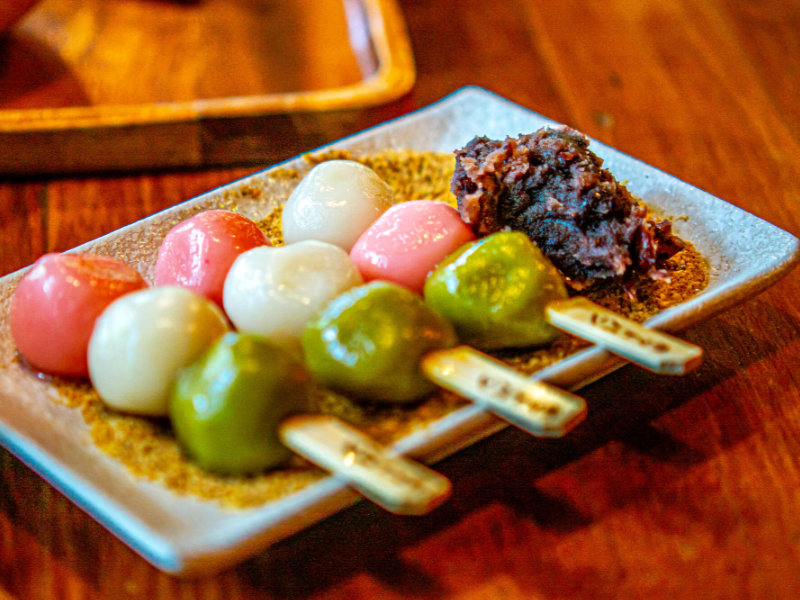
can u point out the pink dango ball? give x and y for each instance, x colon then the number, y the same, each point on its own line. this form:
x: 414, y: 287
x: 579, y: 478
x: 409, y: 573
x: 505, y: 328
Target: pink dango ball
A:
x: 56, y: 304
x: 405, y: 243
x: 197, y: 253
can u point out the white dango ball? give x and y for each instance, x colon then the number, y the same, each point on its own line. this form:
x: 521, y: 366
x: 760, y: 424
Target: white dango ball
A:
x: 274, y: 291
x: 335, y: 202
x: 141, y: 342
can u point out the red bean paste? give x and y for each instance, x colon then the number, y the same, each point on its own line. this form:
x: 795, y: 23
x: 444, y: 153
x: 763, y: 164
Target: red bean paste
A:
x: 549, y: 185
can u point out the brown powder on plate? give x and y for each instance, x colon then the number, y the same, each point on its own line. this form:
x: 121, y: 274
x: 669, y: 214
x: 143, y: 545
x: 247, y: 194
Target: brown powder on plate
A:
x: 148, y: 448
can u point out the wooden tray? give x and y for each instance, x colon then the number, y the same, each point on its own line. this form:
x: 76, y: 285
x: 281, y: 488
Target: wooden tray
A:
x: 92, y: 85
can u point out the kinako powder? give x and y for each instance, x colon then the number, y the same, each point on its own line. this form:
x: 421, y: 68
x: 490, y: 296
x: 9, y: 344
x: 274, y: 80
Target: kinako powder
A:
x: 149, y: 450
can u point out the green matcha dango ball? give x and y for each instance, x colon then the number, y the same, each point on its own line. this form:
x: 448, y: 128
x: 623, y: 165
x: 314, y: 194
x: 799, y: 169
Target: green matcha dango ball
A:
x: 226, y: 407
x: 494, y: 291
x: 368, y: 343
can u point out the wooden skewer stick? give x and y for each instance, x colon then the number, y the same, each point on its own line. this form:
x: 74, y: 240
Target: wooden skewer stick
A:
x: 648, y: 348
x: 404, y: 486
x: 538, y: 407
x: 394, y: 482
x: 535, y: 406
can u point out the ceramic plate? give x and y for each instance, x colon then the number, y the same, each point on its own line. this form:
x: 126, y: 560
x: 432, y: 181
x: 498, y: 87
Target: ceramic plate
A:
x: 183, y: 535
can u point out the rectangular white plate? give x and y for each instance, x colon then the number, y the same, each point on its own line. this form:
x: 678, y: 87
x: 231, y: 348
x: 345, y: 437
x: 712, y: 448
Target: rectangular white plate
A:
x: 182, y: 535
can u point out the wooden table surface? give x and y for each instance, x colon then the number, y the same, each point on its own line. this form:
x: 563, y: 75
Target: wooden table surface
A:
x: 673, y: 488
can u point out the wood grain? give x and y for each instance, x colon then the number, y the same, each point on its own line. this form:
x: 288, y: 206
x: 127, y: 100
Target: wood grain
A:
x: 672, y: 488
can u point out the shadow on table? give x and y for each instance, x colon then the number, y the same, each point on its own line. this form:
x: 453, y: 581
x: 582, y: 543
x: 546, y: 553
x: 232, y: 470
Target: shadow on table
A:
x: 497, y: 483
x: 501, y: 473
